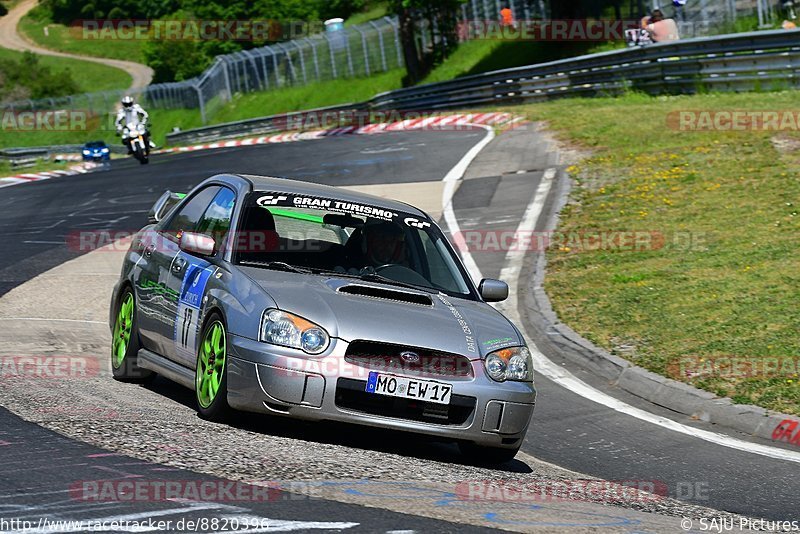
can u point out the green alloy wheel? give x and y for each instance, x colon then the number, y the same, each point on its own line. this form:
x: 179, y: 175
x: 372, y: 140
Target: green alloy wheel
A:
x: 122, y: 331
x: 211, y: 377
x: 125, y: 342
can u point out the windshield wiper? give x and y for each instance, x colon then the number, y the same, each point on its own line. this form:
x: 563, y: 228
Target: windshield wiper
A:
x: 277, y: 266
x: 375, y: 277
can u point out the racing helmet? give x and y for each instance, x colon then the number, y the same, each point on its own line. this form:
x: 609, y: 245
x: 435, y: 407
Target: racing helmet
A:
x: 127, y: 101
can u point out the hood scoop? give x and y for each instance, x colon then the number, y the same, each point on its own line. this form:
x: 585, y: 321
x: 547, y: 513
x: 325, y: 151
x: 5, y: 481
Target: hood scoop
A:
x: 386, y: 294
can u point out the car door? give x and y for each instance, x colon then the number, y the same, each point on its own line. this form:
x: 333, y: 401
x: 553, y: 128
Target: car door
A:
x: 189, y: 275
x: 158, y: 300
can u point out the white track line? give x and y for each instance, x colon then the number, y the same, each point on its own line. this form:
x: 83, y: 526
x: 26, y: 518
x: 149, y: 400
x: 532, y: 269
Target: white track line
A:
x: 511, y: 273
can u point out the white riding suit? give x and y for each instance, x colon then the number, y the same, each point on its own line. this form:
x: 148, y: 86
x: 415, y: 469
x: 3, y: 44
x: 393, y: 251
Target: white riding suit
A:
x: 133, y: 114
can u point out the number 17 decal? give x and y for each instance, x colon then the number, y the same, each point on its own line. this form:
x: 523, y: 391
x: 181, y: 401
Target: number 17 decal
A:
x: 193, y: 289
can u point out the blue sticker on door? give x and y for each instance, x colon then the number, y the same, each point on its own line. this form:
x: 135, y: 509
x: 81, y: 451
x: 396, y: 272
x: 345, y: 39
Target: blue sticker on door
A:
x: 191, y: 298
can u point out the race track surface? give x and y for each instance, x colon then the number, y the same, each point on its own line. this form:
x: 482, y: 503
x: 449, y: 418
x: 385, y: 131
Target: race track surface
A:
x: 157, y: 423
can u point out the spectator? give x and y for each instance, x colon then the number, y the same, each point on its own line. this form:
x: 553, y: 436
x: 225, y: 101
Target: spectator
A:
x: 506, y: 16
x: 662, y: 29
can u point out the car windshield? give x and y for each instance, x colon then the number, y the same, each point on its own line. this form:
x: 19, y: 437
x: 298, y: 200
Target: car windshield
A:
x: 95, y: 144
x: 325, y: 235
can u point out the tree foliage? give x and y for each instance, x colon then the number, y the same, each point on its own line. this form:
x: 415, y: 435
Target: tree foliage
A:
x: 180, y: 60
x: 27, y: 78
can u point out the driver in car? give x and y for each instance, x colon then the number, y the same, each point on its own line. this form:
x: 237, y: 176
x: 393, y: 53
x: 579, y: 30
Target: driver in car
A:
x: 381, y: 243
x: 384, y: 244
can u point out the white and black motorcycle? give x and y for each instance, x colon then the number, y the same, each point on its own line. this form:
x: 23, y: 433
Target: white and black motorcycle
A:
x: 137, y: 138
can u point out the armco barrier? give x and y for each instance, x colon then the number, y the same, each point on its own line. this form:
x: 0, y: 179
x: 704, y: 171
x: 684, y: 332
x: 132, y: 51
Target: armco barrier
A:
x: 738, y: 62
x: 257, y: 126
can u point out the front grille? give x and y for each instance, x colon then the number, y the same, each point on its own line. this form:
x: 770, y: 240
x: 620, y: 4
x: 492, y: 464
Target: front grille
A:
x: 387, y: 358
x: 351, y: 394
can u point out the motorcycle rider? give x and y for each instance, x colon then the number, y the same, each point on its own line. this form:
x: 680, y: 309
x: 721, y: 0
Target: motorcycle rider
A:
x: 130, y: 112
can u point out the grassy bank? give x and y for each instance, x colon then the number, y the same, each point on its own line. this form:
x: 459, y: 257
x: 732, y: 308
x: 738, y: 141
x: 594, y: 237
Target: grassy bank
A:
x: 89, y: 76
x: 712, y: 300
x: 39, y: 28
x: 242, y: 107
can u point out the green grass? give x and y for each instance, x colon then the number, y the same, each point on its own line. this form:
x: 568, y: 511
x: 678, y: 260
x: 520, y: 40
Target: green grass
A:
x: 373, y: 12
x: 90, y: 76
x: 242, y: 107
x: 68, y: 39
x: 722, y: 282
x: 311, y: 96
x: 484, y: 55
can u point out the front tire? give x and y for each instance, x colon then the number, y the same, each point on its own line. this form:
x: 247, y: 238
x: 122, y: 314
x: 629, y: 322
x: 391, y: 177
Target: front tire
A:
x: 479, y: 455
x: 211, y: 374
x: 125, y: 343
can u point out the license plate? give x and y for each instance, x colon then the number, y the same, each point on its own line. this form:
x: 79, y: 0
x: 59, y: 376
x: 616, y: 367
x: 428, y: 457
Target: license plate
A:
x: 409, y: 388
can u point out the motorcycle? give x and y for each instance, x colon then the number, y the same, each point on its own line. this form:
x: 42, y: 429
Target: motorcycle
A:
x: 136, y: 136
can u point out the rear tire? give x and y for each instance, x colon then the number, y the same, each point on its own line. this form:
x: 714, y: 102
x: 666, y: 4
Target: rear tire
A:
x: 125, y: 343
x: 211, y: 373
x: 480, y: 455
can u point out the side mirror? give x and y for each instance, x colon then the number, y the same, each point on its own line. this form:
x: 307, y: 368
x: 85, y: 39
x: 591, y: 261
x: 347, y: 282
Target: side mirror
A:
x: 492, y: 290
x: 198, y: 244
x: 163, y: 206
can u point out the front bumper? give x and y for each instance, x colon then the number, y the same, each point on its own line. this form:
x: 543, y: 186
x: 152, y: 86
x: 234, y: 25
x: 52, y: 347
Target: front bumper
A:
x: 329, y: 388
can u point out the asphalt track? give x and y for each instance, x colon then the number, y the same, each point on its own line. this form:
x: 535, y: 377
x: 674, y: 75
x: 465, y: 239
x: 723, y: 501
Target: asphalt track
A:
x: 568, y: 430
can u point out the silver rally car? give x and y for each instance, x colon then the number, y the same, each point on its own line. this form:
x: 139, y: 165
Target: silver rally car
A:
x: 294, y: 299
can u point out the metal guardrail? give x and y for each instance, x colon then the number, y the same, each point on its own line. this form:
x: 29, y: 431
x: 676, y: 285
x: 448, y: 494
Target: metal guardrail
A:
x: 27, y: 156
x: 257, y: 126
x: 739, y: 62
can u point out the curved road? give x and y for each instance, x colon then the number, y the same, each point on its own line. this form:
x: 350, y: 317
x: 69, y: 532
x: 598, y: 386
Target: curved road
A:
x: 10, y: 38
x: 568, y: 430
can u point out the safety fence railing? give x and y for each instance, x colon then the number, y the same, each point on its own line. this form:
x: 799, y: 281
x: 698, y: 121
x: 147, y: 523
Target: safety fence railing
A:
x: 739, y: 62
x: 357, y: 51
x: 361, y: 50
x: 766, y: 60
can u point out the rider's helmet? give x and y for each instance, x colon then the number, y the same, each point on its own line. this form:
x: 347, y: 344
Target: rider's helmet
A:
x: 127, y: 101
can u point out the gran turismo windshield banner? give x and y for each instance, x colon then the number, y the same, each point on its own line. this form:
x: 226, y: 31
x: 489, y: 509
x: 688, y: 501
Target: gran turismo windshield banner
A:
x: 287, y: 200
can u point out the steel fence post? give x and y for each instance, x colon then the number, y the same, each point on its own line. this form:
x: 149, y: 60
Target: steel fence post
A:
x: 349, y: 54
x: 332, y: 54
x: 314, y: 56
x: 380, y: 43
x: 302, y: 60
x: 200, y: 103
x: 364, y: 47
x: 397, y: 46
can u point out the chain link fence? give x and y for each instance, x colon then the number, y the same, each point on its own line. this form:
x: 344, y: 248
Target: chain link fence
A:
x: 357, y: 51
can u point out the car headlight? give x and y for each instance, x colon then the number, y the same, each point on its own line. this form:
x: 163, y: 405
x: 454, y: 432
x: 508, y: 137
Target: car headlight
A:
x: 288, y: 330
x: 86, y: 152
x: 104, y: 151
x: 513, y: 363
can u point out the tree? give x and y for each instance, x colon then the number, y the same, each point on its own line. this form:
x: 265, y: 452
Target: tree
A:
x: 437, y: 19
